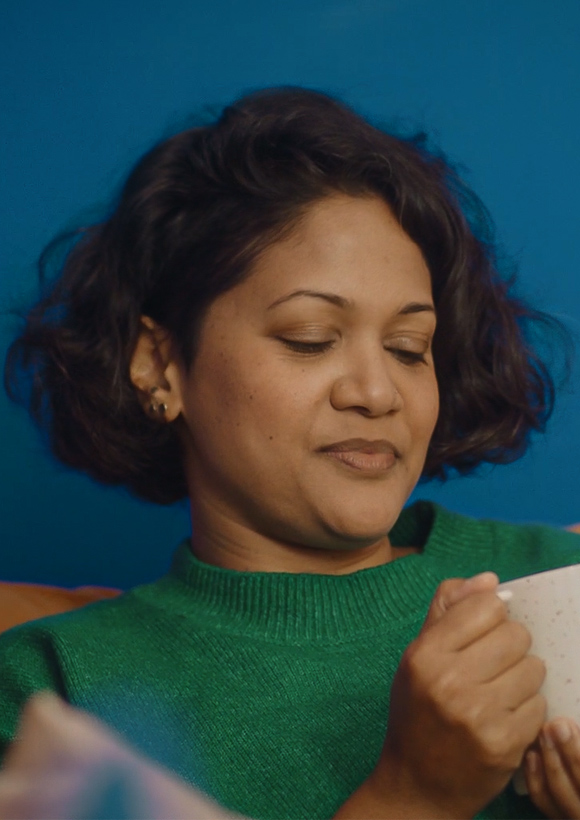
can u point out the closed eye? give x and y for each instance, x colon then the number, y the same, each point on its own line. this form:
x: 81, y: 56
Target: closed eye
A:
x: 306, y: 347
x: 408, y: 356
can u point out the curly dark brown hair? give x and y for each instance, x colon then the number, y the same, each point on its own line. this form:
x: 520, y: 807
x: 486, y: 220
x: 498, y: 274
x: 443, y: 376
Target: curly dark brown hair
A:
x: 193, y: 217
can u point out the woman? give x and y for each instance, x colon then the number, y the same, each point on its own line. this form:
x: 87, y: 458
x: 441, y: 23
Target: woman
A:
x: 253, y: 327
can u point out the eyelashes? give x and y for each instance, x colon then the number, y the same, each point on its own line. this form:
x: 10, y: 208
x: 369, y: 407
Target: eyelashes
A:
x: 306, y: 347
x: 409, y: 357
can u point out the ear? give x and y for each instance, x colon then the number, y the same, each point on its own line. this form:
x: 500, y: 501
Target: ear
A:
x: 155, y: 371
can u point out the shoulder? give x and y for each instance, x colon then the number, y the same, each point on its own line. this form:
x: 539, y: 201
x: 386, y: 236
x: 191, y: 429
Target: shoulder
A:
x: 113, y: 623
x: 522, y: 549
x: 68, y: 653
x: 37, y: 631
x: 511, y: 550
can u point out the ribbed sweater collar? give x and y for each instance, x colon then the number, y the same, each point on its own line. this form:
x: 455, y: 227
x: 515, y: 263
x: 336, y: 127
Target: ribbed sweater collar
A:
x: 298, y: 606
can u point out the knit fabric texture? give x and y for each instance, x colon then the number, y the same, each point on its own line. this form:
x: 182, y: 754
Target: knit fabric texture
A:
x: 269, y: 691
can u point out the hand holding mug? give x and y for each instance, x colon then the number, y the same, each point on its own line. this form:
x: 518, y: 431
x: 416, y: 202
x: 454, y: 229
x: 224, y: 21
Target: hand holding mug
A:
x: 465, y: 703
x: 548, y: 603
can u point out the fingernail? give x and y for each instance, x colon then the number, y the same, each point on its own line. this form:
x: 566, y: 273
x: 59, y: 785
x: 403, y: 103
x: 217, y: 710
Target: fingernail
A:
x: 505, y: 595
x: 563, y: 731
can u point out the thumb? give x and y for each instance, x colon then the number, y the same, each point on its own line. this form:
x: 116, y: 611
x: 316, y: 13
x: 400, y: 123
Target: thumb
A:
x: 453, y: 590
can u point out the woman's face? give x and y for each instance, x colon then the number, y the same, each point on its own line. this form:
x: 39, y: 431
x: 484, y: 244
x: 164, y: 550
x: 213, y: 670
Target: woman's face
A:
x: 312, y: 399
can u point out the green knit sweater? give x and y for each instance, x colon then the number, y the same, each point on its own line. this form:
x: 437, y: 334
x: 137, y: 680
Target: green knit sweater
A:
x: 269, y: 691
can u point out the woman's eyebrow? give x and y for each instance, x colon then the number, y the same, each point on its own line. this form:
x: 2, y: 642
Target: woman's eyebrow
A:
x: 333, y: 298
x: 416, y: 307
x: 342, y: 302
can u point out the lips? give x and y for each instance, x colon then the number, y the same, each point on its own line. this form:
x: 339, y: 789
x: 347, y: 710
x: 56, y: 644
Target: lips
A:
x: 363, y: 455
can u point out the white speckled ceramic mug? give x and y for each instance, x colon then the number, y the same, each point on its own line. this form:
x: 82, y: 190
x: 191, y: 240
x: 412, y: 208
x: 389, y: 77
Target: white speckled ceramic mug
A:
x: 548, y: 604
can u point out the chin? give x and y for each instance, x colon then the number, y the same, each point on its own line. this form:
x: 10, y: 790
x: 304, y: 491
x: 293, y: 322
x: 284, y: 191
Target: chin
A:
x: 357, y: 531
x: 361, y: 527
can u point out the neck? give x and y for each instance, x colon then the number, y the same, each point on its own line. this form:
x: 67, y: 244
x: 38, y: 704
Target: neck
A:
x: 223, y: 542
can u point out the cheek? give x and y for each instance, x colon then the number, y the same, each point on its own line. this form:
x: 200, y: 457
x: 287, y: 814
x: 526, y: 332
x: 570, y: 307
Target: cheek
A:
x: 227, y: 395
x: 426, y: 409
x: 212, y: 393
x: 434, y: 415
x: 273, y: 406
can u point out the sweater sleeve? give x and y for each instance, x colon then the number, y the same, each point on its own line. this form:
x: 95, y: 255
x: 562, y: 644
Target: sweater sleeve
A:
x: 28, y: 664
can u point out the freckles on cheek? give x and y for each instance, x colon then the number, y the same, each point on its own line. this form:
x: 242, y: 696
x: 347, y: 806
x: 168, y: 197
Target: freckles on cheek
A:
x: 239, y: 390
x: 216, y: 391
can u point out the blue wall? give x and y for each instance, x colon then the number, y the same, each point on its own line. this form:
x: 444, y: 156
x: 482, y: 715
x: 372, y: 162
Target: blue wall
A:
x: 89, y: 86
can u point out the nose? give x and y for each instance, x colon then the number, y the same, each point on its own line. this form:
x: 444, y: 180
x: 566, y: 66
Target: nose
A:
x: 366, y: 384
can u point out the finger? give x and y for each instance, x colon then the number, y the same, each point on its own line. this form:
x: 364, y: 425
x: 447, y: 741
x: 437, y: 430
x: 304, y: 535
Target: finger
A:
x: 537, y: 785
x: 524, y: 723
x: 483, y: 582
x: 564, y: 792
x: 466, y: 621
x: 518, y: 684
x: 453, y: 590
x: 500, y: 649
x: 567, y: 735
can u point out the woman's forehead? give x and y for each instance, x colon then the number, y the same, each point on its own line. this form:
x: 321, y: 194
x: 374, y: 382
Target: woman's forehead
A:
x: 348, y: 248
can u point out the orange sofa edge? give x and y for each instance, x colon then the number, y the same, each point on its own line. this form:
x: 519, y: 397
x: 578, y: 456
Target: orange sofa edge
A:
x: 25, y: 602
